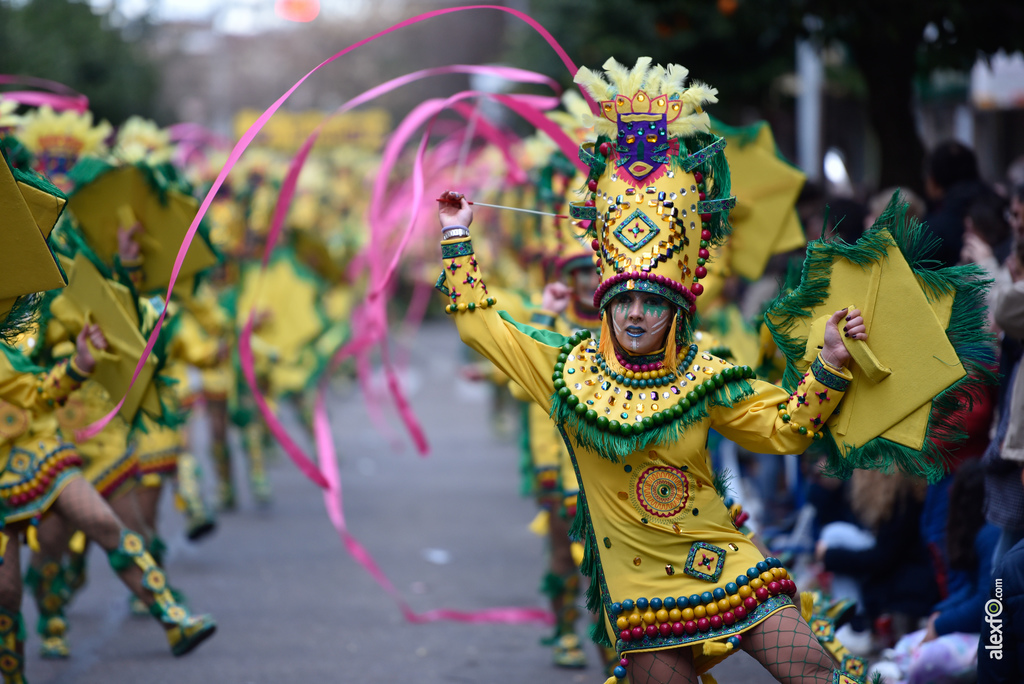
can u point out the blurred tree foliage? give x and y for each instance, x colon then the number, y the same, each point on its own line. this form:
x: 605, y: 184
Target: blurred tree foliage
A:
x: 742, y: 47
x: 70, y: 43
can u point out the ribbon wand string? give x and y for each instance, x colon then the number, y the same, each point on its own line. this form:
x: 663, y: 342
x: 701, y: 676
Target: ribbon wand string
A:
x: 501, y: 206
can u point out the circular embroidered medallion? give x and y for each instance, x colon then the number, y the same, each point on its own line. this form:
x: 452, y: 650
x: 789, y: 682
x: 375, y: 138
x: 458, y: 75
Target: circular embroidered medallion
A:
x: 13, y: 420
x: 72, y: 416
x: 662, y: 490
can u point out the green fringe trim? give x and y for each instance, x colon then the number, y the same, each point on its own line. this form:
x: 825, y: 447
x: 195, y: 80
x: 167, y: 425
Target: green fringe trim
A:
x: 616, y: 448
x: 583, y: 530
x: 967, y: 332
x: 19, y: 319
x: 526, y: 481
x: 721, y: 480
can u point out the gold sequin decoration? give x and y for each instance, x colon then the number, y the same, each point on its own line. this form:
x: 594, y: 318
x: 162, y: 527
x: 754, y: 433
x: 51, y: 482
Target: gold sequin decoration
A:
x: 637, y: 561
x: 624, y: 496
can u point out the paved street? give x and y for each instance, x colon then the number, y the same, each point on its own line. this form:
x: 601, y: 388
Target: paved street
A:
x: 450, y: 531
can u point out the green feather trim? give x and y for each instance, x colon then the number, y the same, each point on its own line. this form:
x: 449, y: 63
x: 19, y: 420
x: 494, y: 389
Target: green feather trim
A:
x: 721, y: 480
x: 583, y: 530
x: 19, y: 362
x: 967, y: 332
x: 525, y: 454
x: 616, y: 448
x: 17, y: 321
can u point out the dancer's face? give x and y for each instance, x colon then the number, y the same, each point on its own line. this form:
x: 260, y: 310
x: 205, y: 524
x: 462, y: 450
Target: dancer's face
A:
x: 584, y: 284
x: 640, y: 321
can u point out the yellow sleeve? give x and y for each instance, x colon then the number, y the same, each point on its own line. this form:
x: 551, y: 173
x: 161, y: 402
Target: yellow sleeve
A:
x: 526, y: 355
x: 773, y: 421
x: 30, y: 387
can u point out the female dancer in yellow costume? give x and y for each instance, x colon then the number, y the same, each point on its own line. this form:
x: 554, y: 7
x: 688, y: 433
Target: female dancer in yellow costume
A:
x: 676, y: 584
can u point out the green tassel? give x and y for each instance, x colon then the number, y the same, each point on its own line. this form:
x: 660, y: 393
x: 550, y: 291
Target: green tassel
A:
x: 967, y: 333
x: 552, y: 585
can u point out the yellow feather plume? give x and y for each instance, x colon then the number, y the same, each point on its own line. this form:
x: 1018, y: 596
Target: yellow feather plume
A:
x: 618, y: 74
x: 675, y: 79
x: 595, y: 85
x: 141, y: 140
x: 68, y: 135
x: 637, y: 76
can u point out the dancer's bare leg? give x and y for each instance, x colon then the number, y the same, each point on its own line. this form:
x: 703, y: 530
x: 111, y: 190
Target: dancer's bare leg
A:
x: 83, y: 508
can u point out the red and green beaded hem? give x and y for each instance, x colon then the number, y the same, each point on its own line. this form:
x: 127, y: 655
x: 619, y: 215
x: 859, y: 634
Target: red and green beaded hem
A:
x: 35, y: 492
x: 112, y: 480
x: 644, y: 624
x: 162, y: 462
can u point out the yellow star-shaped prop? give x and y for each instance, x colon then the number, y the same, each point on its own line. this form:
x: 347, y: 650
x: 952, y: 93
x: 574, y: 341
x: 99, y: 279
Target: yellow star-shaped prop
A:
x: 926, y: 350
x: 29, y: 207
x: 124, y: 194
x: 764, y: 220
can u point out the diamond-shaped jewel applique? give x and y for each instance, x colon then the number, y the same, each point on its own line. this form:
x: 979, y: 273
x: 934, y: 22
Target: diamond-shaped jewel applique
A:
x: 636, y: 231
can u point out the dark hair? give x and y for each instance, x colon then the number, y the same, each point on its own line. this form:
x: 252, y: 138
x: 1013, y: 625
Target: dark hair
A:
x: 950, y: 163
x: 988, y: 215
x: 966, y: 515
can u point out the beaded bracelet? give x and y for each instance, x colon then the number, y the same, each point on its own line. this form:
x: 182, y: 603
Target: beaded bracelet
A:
x: 471, y: 306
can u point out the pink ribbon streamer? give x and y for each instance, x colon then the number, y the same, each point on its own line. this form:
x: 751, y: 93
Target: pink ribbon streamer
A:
x: 519, y: 104
x: 334, y: 503
x: 281, y: 208
x: 60, y: 97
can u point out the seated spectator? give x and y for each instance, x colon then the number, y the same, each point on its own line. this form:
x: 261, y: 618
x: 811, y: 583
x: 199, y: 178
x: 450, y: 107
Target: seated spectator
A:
x: 946, y: 651
x: 882, y: 558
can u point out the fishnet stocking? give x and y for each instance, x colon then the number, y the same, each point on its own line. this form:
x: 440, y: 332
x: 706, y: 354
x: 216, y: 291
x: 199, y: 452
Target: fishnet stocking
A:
x: 673, y: 666
x: 82, y: 508
x: 785, y: 646
x: 10, y: 575
x: 130, y: 509
x: 53, y: 534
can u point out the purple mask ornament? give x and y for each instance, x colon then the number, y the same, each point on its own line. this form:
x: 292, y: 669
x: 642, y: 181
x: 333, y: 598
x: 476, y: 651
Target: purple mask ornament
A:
x: 642, y: 143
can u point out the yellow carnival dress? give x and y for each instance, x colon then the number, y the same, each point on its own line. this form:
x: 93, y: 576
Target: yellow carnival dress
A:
x: 668, y: 566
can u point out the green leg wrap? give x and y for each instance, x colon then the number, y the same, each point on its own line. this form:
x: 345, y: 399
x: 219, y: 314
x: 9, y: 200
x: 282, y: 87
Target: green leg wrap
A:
x: 254, y: 452
x: 184, y: 631
x: 51, y: 595
x: 12, y: 642
x: 189, y: 494
x: 226, y: 487
x: 74, y: 572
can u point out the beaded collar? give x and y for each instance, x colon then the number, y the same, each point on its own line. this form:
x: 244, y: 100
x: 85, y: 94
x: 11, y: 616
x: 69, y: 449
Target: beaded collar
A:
x: 640, y: 364
x: 593, y: 393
